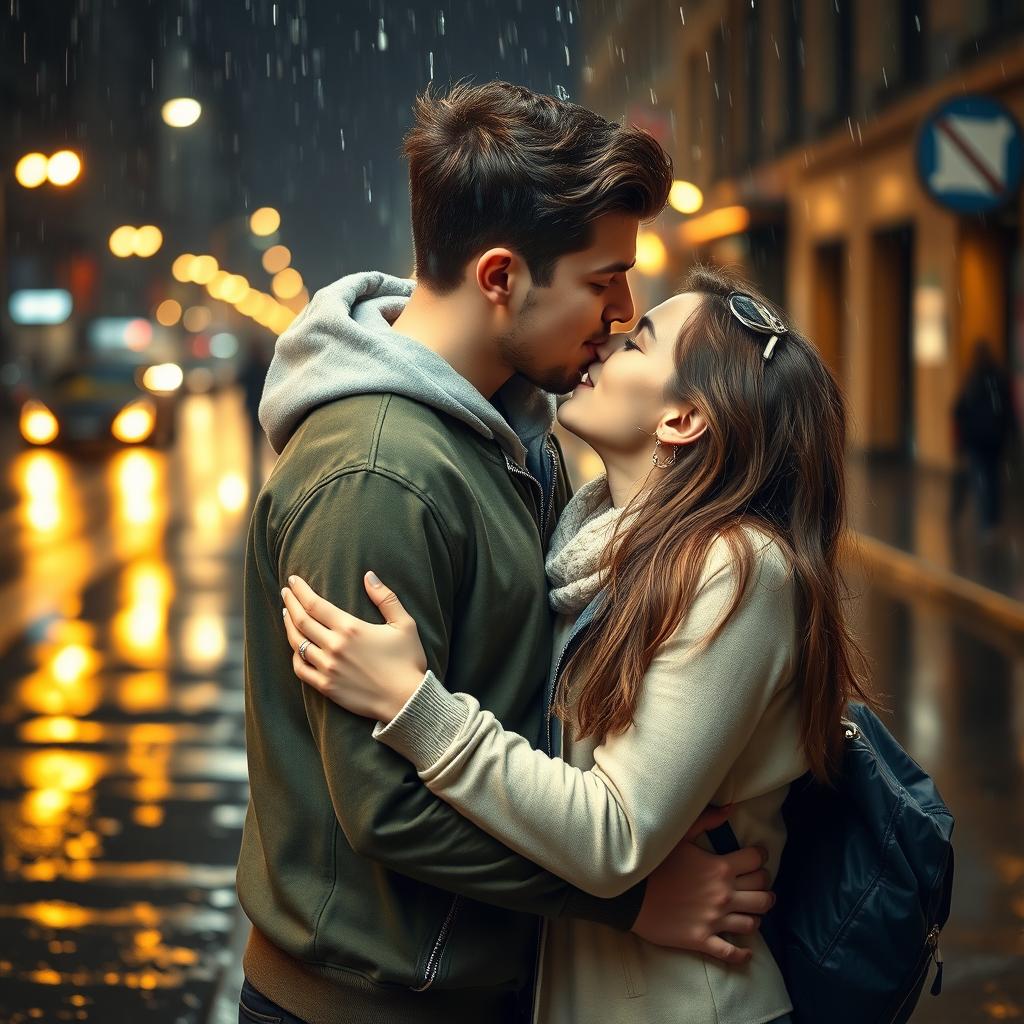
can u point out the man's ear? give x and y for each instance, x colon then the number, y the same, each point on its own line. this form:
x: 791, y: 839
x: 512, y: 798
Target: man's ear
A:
x: 500, y: 275
x: 682, y: 424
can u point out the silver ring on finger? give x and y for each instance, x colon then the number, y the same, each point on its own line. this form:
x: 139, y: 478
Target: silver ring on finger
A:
x: 302, y: 650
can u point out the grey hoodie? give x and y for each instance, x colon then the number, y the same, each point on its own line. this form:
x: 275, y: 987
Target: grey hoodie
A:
x: 343, y: 344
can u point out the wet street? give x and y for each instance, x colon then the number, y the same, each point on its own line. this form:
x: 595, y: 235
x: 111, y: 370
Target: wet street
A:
x: 122, y: 768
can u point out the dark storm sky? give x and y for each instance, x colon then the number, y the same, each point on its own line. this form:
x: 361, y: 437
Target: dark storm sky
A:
x: 307, y: 101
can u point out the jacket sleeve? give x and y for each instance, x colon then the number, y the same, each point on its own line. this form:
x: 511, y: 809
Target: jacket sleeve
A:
x: 370, y: 520
x: 617, y: 821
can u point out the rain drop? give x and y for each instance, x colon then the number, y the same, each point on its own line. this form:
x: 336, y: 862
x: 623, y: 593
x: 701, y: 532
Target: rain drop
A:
x: 382, y: 36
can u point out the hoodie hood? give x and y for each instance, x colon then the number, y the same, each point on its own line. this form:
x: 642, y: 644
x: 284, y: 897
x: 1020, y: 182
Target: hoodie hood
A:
x: 343, y: 344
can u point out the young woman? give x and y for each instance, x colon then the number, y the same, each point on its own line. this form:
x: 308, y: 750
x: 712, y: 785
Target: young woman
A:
x: 701, y: 654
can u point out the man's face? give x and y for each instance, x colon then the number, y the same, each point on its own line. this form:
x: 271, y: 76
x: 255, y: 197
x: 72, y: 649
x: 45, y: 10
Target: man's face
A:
x: 560, y: 326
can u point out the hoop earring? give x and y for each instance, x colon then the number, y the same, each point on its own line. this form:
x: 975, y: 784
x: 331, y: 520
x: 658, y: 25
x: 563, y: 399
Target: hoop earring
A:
x: 657, y: 445
x: 671, y: 461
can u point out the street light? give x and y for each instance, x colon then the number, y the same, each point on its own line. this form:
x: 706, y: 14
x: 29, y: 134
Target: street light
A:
x: 685, y: 197
x: 168, y: 313
x: 265, y: 221
x: 276, y: 258
x: 651, y: 254
x: 63, y: 168
x: 287, y: 283
x: 60, y: 169
x: 31, y: 170
x: 143, y: 242
x: 181, y: 112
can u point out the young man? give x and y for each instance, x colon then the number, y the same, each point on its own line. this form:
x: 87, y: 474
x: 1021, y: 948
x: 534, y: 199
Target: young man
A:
x: 414, y: 427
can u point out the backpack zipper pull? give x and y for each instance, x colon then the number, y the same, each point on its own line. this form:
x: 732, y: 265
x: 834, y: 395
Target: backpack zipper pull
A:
x: 933, y: 941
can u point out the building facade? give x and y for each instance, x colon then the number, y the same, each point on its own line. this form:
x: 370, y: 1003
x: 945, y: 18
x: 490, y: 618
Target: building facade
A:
x: 800, y: 121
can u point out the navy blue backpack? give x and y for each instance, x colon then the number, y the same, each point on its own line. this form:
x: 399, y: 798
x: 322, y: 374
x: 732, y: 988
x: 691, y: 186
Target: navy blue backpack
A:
x: 864, y: 886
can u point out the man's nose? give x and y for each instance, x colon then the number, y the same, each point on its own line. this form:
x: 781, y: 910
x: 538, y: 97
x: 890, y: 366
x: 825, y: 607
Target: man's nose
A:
x: 620, y: 309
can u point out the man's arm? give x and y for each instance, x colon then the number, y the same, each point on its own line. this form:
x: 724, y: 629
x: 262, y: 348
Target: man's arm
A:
x: 370, y: 520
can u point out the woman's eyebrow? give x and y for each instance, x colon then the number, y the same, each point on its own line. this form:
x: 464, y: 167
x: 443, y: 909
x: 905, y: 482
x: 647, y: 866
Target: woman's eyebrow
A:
x: 644, y: 323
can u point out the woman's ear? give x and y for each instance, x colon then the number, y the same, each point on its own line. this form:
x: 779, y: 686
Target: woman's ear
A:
x: 682, y: 424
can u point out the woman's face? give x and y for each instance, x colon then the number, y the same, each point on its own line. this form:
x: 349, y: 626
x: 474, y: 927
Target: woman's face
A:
x: 627, y: 383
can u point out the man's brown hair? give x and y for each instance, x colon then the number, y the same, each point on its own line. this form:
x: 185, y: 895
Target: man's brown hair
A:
x: 498, y: 164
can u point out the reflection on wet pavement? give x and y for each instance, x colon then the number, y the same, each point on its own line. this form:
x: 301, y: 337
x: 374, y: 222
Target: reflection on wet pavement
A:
x: 956, y: 690
x: 122, y: 768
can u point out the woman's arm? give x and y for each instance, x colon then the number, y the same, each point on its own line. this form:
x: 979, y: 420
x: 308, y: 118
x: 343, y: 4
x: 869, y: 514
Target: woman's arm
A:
x: 605, y: 829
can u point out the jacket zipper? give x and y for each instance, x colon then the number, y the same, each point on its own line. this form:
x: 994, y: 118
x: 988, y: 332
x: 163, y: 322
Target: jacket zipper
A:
x: 434, y: 960
x: 573, y: 642
x: 545, y: 499
x: 931, y: 952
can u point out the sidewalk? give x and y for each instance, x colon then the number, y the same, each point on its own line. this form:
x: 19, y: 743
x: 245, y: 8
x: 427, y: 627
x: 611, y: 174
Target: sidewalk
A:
x: 900, y: 516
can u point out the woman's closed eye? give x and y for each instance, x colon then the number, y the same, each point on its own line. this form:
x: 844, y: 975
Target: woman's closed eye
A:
x: 629, y: 343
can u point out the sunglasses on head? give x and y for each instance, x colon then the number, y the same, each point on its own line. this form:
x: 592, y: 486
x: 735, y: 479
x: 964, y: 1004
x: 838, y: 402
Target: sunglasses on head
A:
x: 756, y: 316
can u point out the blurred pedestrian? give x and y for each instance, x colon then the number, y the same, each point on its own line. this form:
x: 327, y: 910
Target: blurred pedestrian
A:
x: 985, y: 420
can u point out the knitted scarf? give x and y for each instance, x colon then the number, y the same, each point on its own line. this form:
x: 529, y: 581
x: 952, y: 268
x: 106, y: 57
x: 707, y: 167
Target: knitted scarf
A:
x: 577, y: 546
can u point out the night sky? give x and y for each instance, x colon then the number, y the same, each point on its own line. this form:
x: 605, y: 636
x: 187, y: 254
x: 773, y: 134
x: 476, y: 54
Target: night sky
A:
x: 305, y: 105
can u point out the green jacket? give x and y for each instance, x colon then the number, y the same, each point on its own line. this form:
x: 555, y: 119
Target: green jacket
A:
x: 349, y: 865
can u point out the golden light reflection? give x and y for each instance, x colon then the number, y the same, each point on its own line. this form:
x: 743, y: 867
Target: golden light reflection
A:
x: 233, y: 492
x: 66, y: 682
x: 144, y: 691
x: 148, y: 815
x: 43, y: 807
x: 137, y: 478
x: 152, y: 789
x: 204, y: 641
x: 42, y: 478
x: 720, y: 223
x: 66, y: 771
x: 71, y: 663
x: 140, y: 625
x: 60, y: 729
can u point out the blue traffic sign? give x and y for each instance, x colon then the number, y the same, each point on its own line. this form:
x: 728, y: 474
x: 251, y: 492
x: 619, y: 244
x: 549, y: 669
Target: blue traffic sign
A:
x: 970, y: 154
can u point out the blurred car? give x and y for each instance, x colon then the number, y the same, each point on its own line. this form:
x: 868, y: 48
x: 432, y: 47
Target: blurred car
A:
x: 99, y: 401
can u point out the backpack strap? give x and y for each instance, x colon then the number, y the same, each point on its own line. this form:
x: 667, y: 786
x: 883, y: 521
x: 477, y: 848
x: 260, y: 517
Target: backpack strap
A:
x: 723, y: 839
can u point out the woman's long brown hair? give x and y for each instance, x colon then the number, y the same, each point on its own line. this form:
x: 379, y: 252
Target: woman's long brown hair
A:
x: 772, y: 457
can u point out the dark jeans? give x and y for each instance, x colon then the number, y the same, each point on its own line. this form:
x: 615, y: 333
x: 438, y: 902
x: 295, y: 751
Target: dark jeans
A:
x: 255, y: 1008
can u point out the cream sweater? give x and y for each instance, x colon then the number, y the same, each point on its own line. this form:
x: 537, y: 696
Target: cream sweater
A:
x: 719, y: 725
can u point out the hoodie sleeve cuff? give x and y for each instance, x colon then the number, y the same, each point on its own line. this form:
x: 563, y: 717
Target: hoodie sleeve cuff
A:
x: 427, y: 725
